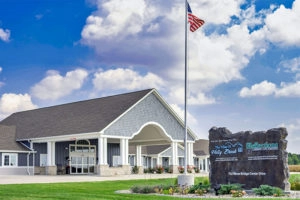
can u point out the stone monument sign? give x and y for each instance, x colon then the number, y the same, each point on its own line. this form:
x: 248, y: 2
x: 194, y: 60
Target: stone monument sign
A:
x: 251, y: 159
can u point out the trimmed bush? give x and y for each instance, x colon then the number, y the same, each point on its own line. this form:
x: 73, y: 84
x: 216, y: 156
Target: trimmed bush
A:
x: 227, y: 188
x: 200, y: 188
x: 267, y: 190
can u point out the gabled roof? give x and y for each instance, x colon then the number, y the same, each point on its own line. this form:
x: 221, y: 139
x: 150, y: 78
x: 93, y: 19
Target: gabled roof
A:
x: 8, y: 140
x: 72, y: 118
x: 201, y: 147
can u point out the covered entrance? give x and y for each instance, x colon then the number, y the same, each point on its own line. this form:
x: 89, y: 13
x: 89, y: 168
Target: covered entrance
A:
x: 82, y: 157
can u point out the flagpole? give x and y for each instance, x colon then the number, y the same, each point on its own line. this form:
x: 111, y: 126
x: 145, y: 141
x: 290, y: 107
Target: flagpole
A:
x: 185, y: 91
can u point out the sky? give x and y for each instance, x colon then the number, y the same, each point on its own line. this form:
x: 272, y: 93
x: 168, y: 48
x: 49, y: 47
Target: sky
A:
x: 243, y: 63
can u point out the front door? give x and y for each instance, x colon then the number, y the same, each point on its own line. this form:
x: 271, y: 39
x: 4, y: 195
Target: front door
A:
x: 82, y: 157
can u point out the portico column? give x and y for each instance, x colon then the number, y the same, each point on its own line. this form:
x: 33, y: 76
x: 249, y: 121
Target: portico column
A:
x: 139, y: 155
x: 139, y: 161
x: 206, y: 164
x: 51, y: 167
x: 174, y: 159
x: 124, y: 151
x: 190, y: 154
x: 102, y: 151
x: 102, y: 155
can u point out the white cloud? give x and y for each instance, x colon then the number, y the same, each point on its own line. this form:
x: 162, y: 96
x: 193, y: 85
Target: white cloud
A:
x: 10, y: 103
x: 289, y: 90
x: 264, y: 88
x: 176, y: 95
x: 126, y: 79
x: 223, y: 10
x: 152, y: 36
x: 292, y: 66
x: 55, y: 86
x: 192, y: 121
x: 4, y: 35
x: 124, y: 18
x: 282, y: 25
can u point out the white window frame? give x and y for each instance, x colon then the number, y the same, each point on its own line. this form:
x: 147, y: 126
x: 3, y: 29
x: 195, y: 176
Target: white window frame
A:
x: 10, y: 155
x: 43, y: 160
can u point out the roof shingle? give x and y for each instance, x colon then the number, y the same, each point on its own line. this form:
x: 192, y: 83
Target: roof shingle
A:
x: 72, y: 118
x: 8, y: 139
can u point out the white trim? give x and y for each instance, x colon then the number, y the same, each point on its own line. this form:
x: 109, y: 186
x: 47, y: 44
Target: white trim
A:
x: 155, y: 124
x: 72, y: 137
x: 10, y: 161
x: 15, y: 167
x: 13, y: 151
x: 114, y: 137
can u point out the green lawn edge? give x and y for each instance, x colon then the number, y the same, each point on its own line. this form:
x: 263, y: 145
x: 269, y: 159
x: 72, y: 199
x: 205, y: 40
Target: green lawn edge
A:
x: 87, y: 190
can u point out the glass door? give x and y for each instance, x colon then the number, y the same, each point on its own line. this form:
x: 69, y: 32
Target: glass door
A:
x: 82, y: 158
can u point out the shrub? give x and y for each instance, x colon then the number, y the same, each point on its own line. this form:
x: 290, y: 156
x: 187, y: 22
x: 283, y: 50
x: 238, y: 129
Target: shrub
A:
x: 237, y: 193
x: 227, y: 188
x: 168, y: 170
x: 295, y: 183
x: 200, y: 192
x: 196, y: 169
x: 181, y: 169
x: 267, y: 190
x: 159, y: 169
x: 145, y: 189
x: 200, y: 188
x: 135, y: 170
x: 160, y: 189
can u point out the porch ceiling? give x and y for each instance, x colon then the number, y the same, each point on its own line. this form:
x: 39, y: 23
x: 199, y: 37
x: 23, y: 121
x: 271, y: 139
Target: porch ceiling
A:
x: 150, y: 135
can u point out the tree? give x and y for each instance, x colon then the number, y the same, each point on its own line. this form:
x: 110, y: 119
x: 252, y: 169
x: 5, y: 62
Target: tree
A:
x: 293, y: 159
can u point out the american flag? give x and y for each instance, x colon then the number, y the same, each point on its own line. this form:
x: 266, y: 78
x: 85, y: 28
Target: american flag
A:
x: 194, y: 21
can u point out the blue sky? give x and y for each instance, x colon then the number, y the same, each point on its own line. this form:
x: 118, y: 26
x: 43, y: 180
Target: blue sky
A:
x: 244, y: 63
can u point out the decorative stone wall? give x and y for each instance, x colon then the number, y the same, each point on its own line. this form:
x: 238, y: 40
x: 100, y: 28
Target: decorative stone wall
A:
x: 251, y: 159
x: 105, y: 170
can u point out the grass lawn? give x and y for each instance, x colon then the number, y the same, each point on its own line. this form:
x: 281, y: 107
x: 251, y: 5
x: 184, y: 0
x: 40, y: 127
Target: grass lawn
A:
x: 84, y: 190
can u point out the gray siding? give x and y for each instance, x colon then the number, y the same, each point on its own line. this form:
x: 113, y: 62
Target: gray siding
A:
x: 148, y: 110
x: 113, y: 149
x: 62, y: 153
x: 167, y: 153
x: 40, y: 148
x: 22, y: 159
x: 0, y: 159
x: 180, y: 152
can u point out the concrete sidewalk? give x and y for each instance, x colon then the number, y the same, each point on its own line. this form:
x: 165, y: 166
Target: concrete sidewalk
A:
x: 17, y: 179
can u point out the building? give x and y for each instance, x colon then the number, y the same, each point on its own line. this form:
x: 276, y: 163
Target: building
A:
x: 157, y: 155
x: 201, y: 155
x: 92, y: 136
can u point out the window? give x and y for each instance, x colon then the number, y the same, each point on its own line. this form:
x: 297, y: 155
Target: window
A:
x: 43, y: 160
x: 10, y: 159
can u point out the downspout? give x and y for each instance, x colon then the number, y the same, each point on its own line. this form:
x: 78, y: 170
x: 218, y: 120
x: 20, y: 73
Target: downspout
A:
x: 28, y: 172
x: 33, y: 161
